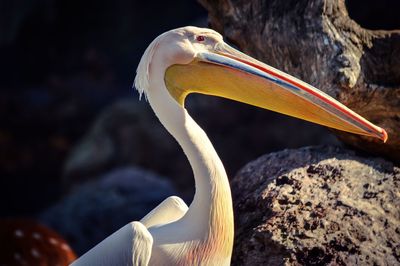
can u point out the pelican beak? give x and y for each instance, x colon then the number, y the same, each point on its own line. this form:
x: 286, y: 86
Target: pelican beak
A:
x: 228, y: 73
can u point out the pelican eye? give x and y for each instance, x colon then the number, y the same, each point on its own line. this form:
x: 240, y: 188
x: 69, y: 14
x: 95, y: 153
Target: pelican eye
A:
x: 200, y: 38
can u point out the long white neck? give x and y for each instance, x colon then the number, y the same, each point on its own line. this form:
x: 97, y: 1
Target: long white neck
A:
x: 211, y: 210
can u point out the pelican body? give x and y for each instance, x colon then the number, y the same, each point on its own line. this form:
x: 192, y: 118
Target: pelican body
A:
x: 197, y: 60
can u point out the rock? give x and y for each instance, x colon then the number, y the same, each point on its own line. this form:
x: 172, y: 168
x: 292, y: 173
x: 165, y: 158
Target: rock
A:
x: 317, y: 41
x: 94, y: 210
x: 317, y: 206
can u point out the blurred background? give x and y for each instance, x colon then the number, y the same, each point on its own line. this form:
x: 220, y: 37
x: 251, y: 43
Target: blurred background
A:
x: 78, y: 148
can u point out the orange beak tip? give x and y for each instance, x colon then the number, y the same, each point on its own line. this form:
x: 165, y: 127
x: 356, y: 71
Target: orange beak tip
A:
x: 384, y: 135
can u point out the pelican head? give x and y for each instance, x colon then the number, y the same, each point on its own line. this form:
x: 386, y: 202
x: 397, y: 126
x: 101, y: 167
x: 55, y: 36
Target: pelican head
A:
x: 197, y: 60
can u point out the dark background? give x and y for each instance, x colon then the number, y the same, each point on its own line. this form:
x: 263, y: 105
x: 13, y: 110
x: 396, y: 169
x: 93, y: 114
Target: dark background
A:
x: 62, y: 62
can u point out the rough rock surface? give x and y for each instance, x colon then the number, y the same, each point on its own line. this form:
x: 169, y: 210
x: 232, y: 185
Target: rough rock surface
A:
x: 317, y: 41
x: 317, y: 206
x: 95, y: 210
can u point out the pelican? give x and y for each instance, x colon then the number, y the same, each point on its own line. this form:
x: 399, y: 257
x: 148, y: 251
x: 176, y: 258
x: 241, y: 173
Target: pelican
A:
x: 197, y: 60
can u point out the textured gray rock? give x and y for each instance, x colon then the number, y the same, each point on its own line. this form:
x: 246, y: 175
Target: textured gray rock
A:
x: 317, y: 206
x: 94, y: 210
x: 317, y: 41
